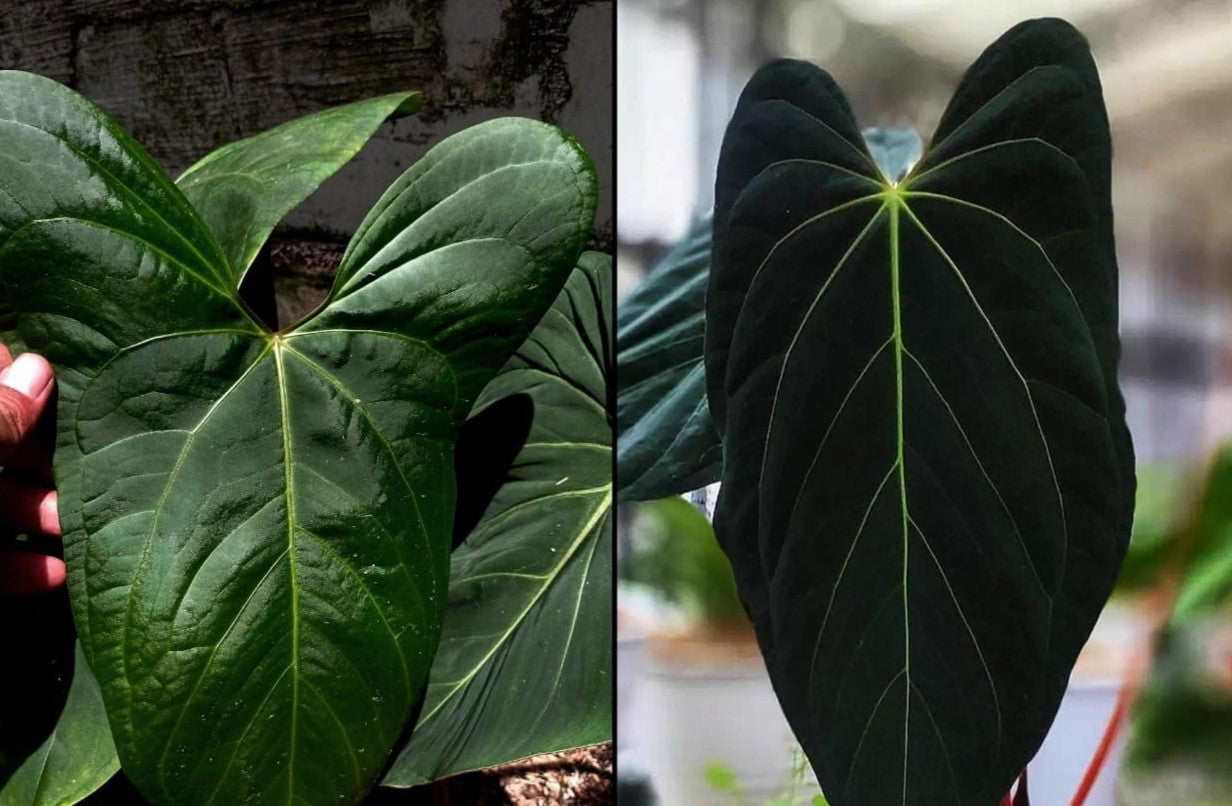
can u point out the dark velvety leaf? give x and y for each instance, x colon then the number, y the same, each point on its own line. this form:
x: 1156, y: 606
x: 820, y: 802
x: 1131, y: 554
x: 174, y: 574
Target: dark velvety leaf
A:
x: 666, y: 440
x: 928, y: 481
x: 666, y: 443
x: 525, y: 661
x: 76, y: 759
x: 243, y: 189
x: 257, y: 525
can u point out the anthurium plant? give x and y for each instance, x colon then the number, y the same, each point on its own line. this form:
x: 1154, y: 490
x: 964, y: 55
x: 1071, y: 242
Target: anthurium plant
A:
x: 258, y: 521
x: 910, y: 364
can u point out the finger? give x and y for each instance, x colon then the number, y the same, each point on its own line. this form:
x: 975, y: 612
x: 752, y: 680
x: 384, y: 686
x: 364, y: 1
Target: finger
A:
x: 28, y: 572
x: 31, y: 461
x: 25, y: 386
x: 29, y: 509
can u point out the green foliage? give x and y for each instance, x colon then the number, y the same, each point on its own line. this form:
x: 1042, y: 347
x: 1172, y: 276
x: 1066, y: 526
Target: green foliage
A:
x: 1159, y: 511
x: 723, y: 779
x: 257, y: 525
x: 525, y: 662
x: 928, y: 482
x: 674, y: 553
x: 1204, y: 546
x: 1182, y: 719
x: 666, y: 439
x: 243, y: 189
x: 1183, y: 716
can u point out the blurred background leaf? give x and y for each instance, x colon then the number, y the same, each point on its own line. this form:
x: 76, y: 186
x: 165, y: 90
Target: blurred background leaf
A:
x: 666, y: 442
x: 675, y: 554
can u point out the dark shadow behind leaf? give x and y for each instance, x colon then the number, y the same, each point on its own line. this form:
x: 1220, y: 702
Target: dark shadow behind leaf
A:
x: 488, y: 443
x: 37, y: 668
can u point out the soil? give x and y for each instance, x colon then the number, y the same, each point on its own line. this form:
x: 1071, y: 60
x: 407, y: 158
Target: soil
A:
x: 303, y: 272
x: 580, y: 777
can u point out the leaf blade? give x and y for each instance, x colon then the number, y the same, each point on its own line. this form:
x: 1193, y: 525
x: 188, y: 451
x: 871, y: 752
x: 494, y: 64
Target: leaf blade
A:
x: 243, y: 189
x: 879, y: 512
x: 256, y: 524
x: 523, y: 598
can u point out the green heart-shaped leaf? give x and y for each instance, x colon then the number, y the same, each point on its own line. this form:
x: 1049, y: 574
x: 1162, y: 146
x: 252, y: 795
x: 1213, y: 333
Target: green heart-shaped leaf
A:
x: 666, y: 442
x: 242, y: 190
x: 257, y: 524
x: 525, y: 662
x: 928, y: 482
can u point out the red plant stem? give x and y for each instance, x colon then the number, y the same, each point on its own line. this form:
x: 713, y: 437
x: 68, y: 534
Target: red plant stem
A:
x: 1022, y: 797
x: 1105, y: 743
x: 1018, y: 797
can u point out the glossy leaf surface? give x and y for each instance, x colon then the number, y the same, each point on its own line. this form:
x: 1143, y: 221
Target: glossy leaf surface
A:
x: 928, y: 481
x: 243, y: 189
x: 525, y: 661
x: 76, y: 759
x: 257, y: 525
x: 666, y: 442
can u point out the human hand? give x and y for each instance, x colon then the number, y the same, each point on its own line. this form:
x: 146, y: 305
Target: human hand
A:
x: 25, y: 387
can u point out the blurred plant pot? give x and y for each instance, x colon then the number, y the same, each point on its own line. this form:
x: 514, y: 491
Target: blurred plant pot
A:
x: 631, y: 664
x: 1058, y: 767
x: 1122, y: 633
x: 707, y: 699
x: 704, y: 700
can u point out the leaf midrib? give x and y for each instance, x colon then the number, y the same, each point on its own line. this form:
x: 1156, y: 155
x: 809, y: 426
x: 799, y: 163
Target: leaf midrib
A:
x: 292, y: 563
x: 894, y: 201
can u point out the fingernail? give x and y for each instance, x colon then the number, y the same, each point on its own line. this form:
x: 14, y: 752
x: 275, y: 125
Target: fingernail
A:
x: 29, y: 374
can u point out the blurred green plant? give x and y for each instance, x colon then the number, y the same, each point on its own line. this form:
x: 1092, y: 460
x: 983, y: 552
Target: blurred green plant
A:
x: 1158, y: 506
x: 723, y: 779
x: 675, y: 554
x: 1181, y: 724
